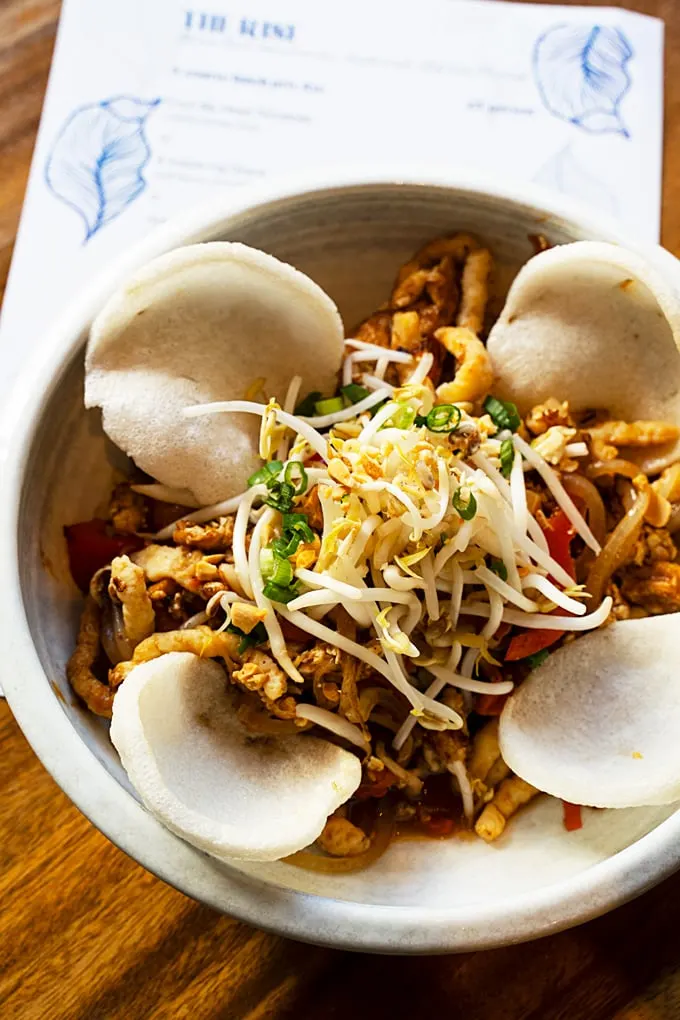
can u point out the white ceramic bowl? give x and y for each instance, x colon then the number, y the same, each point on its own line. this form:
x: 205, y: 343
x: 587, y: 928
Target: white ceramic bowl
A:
x: 350, y: 236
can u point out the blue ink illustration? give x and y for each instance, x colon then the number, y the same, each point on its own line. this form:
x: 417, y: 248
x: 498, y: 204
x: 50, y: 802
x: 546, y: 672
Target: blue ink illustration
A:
x: 564, y: 173
x: 581, y: 72
x: 96, y: 162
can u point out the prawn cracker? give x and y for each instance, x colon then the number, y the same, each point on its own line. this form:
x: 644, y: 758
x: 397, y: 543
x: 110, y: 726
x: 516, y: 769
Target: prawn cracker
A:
x: 598, y: 722
x: 201, y: 324
x: 598, y: 326
x: 226, y: 792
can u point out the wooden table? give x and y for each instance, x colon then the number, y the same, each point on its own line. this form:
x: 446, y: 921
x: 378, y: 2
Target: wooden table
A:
x: 87, y: 934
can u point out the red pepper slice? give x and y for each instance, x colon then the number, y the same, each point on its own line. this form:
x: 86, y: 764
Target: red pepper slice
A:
x: 378, y: 788
x: 559, y: 533
x: 490, y: 704
x: 572, y: 816
x: 439, y: 826
x: 91, y: 545
x: 529, y: 642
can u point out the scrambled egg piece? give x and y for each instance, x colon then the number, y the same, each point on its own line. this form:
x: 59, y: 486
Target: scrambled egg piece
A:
x: 128, y: 586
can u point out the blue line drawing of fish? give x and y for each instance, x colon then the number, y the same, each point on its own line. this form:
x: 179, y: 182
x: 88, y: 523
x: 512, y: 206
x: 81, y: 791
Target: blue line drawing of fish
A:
x: 581, y: 72
x: 96, y: 162
x: 564, y: 173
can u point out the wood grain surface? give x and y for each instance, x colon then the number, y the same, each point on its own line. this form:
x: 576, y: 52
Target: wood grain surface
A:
x: 87, y: 934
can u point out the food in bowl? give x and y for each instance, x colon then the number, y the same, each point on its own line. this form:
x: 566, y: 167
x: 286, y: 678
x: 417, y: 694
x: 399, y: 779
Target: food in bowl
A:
x: 337, y: 649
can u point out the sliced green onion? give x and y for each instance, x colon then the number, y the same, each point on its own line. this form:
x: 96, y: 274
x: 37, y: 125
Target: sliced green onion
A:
x: 329, y: 405
x: 296, y: 476
x: 353, y: 393
x: 267, y: 562
x: 298, y: 524
x: 286, y: 545
x: 281, y: 496
x: 278, y: 594
x: 306, y: 407
x: 266, y: 474
x: 467, y: 510
x: 499, y: 568
x: 503, y: 414
x: 257, y: 636
x: 537, y: 659
x: 443, y: 418
x: 507, y: 456
x: 403, y: 418
x: 274, y: 568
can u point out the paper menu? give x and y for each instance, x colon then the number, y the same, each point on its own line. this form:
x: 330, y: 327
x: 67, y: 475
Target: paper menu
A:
x: 152, y: 103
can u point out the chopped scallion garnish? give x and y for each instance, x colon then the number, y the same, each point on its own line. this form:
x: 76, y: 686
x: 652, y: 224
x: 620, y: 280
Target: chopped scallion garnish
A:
x: 499, y: 568
x: 307, y: 407
x: 443, y: 418
x: 278, y: 594
x: 296, y: 476
x: 257, y: 636
x: 402, y: 418
x: 329, y: 405
x: 537, y: 659
x: 466, y: 508
x: 507, y: 456
x: 298, y: 524
x: 275, y: 568
x: 353, y: 393
x: 266, y: 474
x: 503, y: 413
x: 286, y: 545
x: 281, y: 495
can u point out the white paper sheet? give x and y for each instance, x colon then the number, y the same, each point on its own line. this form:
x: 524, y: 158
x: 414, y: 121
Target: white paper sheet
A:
x: 152, y: 103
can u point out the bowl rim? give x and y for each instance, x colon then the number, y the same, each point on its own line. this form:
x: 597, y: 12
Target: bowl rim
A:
x: 112, y: 809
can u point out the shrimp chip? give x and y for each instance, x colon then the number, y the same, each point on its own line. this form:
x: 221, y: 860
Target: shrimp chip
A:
x: 199, y: 324
x: 225, y: 792
x: 598, y: 722
x: 598, y: 325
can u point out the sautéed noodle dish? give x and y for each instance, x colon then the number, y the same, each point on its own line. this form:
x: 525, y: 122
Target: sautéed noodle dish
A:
x: 390, y: 581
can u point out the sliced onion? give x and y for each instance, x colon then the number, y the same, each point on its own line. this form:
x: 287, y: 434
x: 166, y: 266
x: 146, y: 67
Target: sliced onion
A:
x: 618, y: 547
x: 617, y: 466
x: 581, y: 488
x: 560, y: 494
